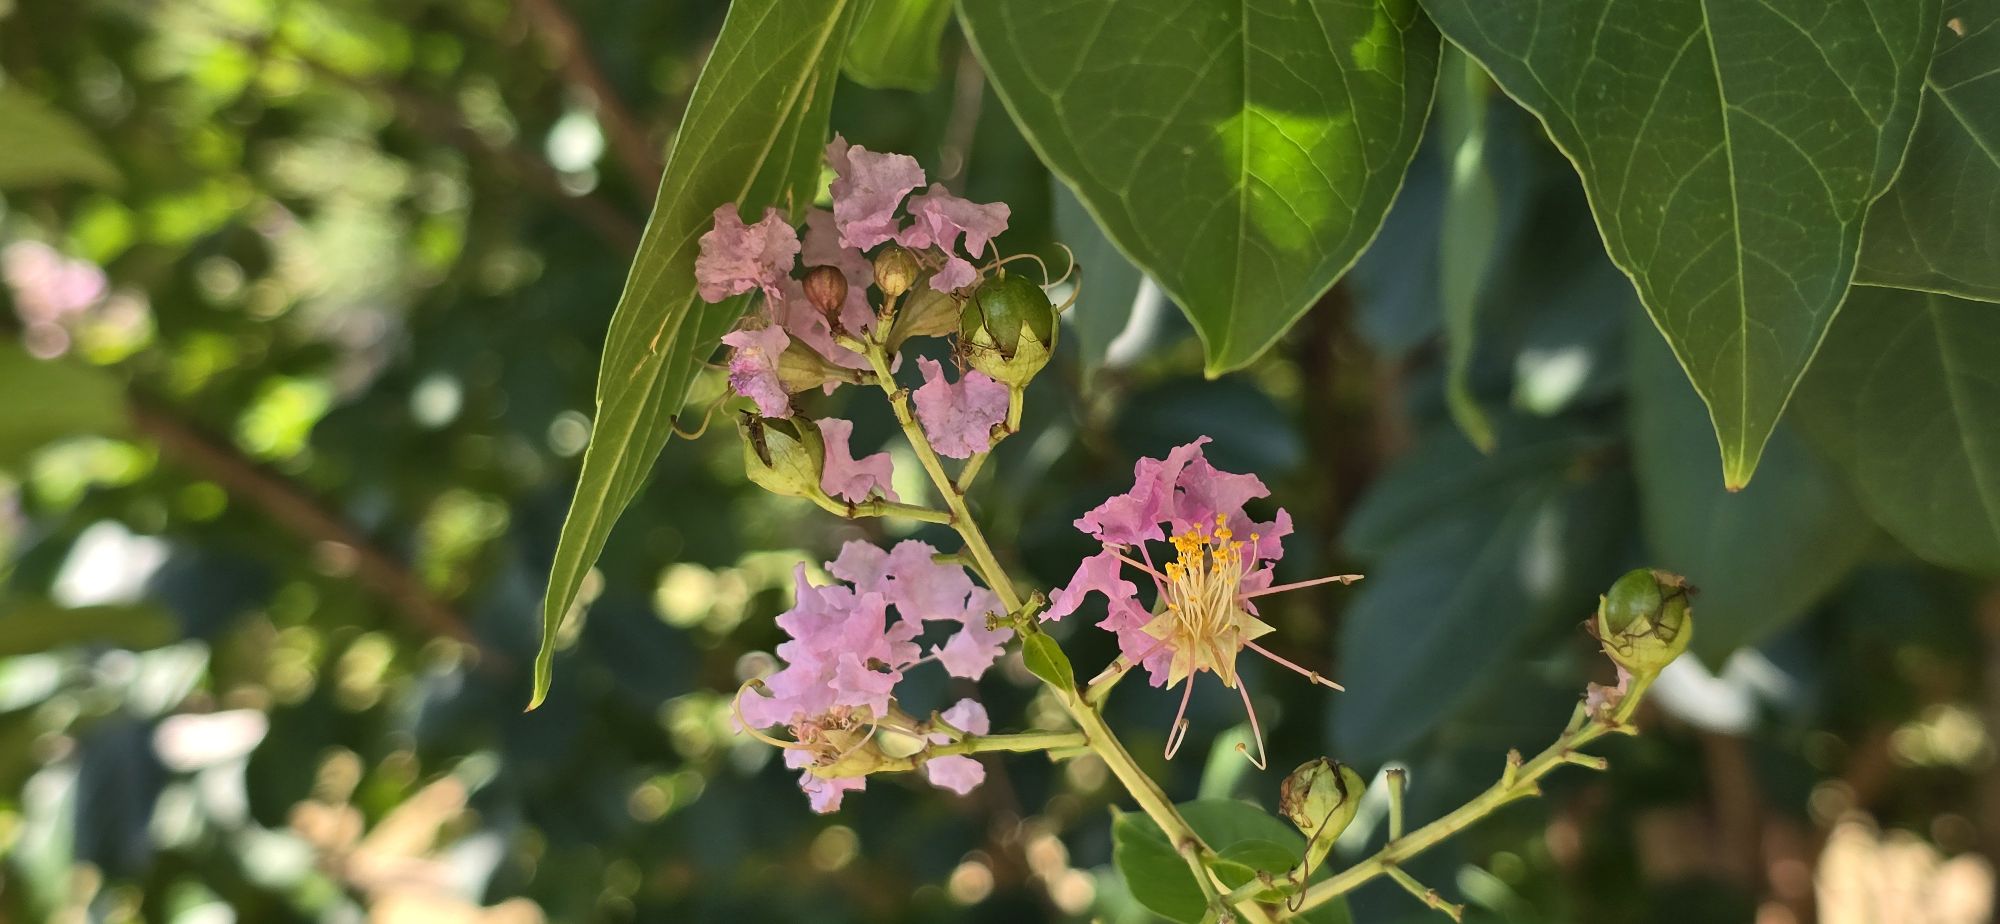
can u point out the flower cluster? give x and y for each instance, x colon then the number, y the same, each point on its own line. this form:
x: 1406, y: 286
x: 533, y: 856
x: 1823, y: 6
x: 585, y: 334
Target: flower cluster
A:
x: 816, y: 302
x: 837, y: 690
x: 1205, y: 612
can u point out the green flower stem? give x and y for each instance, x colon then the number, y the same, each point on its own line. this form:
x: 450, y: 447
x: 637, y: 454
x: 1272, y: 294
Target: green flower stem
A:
x: 1097, y: 735
x: 884, y: 508
x: 1023, y: 742
x: 1518, y: 781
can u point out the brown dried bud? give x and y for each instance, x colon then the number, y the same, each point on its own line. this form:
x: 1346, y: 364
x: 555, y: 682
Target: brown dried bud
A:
x: 826, y: 288
x: 895, y: 270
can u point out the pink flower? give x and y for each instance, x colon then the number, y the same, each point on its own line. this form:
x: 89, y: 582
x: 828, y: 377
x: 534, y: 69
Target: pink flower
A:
x: 868, y: 188
x: 736, y: 258
x: 957, y: 772
x: 1207, y: 614
x: 845, y: 657
x: 845, y: 477
x: 959, y: 418
x: 939, y: 219
x: 50, y: 291
x: 753, y: 368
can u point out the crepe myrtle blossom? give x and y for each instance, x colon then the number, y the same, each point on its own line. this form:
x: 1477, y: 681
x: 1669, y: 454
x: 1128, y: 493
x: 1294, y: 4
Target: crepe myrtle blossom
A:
x: 845, y: 657
x: 1205, y: 612
x: 872, y: 206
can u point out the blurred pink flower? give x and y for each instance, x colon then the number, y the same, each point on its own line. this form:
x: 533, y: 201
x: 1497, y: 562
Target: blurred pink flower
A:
x: 50, y: 290
x: 959, y: 417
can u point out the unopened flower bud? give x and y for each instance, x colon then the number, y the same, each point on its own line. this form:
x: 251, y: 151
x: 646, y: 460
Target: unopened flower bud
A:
x: 826, y: 289
x: 895, y: 270
x: 802, y: 368
x: 925, y: 313
x: 1321, y: 797
x: 783, y: 455
x: 1643, y: 622
x: 1008, y: 328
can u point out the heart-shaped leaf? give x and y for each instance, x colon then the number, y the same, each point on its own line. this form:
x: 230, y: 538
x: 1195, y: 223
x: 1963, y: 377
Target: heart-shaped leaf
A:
x: 1243, y: 155
x: 1731, y: 151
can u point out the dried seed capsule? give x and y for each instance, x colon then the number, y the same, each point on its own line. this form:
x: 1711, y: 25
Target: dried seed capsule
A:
x: 826, y: 289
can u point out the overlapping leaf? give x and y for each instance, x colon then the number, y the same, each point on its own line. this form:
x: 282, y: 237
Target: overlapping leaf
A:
x: 1759, y: 557
x: 895, y: 43
x: 1731, y: 151
x: 1242, y: 154
x: 1906, y: 396
x: 1938, y: 226
x: 752, y: 136
x: 40, y: 145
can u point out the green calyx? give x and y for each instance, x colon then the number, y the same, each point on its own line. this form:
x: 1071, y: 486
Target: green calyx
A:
x: 783, y: 455
x: 1321, y: 797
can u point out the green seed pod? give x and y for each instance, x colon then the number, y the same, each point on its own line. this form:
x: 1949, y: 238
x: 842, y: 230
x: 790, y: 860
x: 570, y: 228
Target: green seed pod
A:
x: 1321, y: 797
x: 783, y: 455
x: 925, y: 313
x: 1644, y: 622
x: 1008, y: 328
x: 895, y: 270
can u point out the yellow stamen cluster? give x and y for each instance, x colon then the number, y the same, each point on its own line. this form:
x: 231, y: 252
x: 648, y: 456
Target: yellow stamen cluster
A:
x: 1204, y: 621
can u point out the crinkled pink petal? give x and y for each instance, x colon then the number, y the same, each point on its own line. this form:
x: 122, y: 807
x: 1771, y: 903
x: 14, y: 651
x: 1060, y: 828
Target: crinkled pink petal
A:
x: 1127, y: 620
x: 971, y: 651
x: 846, y: 477
x: 797, y: 691
x: 736, y: 258
x: 753, y: 368
x: 1202, y: 492
x: 866, y: 191
x: 956, y: 772
x: 956, y: 273
x: 969, y: 716
x: 938, y: 219
x: 1099, y: 573
x: 855, y: 685
x: 822, y: 248
x: 909, y: 576
x: 1135, y: 516
x: 959, y: 418
x: 825, y: 793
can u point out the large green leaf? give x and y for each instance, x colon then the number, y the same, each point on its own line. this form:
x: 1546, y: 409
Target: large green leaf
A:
x: 1938, y: 227
x: 1730, y: 151
x: 1760, y: 557
x: 49, y: 399
x: 1906, y: 397
x: 752, y: 136
x: 1525, y: 535
x: 42, y: 145
x: 1242, y: 154
x: 895, y: 43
